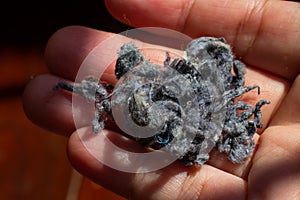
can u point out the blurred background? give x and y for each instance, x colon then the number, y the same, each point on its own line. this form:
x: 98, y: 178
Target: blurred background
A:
x: 33, y: 161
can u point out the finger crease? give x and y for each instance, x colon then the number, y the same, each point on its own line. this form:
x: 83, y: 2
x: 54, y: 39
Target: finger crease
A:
x: 284, y: 148
x: 185, y: 15
x: 252, y: 11
x: 194, y: 184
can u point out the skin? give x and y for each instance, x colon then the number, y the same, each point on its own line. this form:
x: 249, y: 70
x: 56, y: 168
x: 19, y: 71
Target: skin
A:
x: 265, y: 34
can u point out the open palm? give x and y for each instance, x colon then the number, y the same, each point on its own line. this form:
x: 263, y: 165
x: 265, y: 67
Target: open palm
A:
x: 265, y: 34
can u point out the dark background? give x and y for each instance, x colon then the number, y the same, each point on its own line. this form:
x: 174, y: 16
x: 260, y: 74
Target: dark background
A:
x: 24, y: 23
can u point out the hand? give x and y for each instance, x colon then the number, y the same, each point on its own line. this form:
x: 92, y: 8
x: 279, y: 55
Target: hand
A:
x: 265, y: 34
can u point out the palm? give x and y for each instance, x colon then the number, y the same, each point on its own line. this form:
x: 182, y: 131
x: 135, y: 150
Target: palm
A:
x: 272, y: 171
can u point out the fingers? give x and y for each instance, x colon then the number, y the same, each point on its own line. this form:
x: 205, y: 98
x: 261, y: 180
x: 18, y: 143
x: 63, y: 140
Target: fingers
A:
x: 65, y: 52
x: 64, y: 61
x: 172, y: 182
x: 68, y: 47
x: 55, y: 109
x: 289, y: 112
x: 275, y: 171
x: 47, y: 108
x: 264, y: 33
x: 79, y: 51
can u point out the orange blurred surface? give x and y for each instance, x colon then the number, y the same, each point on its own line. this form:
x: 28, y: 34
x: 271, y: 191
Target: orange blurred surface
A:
x: 33, y: 161
x: 18, y: 65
